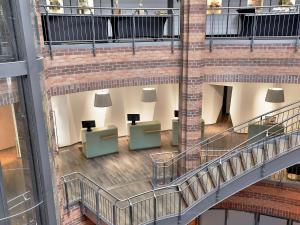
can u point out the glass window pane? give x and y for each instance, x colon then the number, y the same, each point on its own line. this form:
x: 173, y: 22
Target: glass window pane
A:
x: 17, y: 176
x: 6, y: 34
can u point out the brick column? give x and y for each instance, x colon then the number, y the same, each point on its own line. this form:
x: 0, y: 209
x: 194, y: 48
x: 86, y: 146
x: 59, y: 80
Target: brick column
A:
x: 193, y: 37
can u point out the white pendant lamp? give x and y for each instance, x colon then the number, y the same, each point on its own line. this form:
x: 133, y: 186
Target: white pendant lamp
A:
x: 102, y: 100
x: 275, y: 95
x: 149, y: 95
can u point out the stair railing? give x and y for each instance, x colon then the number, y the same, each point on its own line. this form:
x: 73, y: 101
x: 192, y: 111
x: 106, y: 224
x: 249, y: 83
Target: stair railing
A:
x: 175, y: 200
x: 170, y: 167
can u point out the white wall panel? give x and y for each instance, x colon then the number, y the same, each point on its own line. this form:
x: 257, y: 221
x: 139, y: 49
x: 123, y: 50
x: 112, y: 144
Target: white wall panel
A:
x: 212, y: 102
x: 71, y: 109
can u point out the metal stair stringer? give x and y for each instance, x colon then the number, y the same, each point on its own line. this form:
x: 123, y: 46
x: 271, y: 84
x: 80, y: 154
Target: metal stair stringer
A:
x: 235, y: 185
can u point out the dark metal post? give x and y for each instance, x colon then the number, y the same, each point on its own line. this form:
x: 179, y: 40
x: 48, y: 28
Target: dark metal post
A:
x: 219, y: 180
x: 253, y: 31
x: 170, y: 6
x: 154, y: 174
x: 71, y: 6
x: 179, y: 205
x: 154, y: 208
x: 164, y: 172
x: 226, y: 217
x: 97, y: 208
x: 172, y: 31
x: 93, y: 30
x: 212, y: 31
x: 206, y: 151
x: 114, y: 214
x: 81, y: 197
x: 297, y: 36
x: 256, y: 219
x: 133, y: 33
x: 172, y: 169
x: 130, y: 213
x: 49, y: 32
x: 66, y: 194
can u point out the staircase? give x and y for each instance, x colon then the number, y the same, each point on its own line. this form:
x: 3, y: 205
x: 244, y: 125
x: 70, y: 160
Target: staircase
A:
x: 199, y: 189
x: 168, y: 167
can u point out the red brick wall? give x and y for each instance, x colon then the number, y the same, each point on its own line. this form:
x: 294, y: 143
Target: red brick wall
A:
x: 269, y: 198
x: 74, y: 70
x: 74, y: 217
x: 265, y: 60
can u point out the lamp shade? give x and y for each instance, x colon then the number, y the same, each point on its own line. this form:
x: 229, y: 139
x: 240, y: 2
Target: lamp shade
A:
x: 149, y: 95
x: 275, y: 95
x: 102, y: 100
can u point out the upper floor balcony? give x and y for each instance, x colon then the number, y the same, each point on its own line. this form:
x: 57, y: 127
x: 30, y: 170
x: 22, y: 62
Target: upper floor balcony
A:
x: 102, y: 21
x: 253, y: 20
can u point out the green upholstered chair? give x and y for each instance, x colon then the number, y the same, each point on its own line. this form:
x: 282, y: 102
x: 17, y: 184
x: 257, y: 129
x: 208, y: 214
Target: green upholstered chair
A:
x: 100, y: 141
x: 144, y: 135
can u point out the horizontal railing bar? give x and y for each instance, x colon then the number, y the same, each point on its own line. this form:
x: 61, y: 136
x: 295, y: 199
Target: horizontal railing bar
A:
x: 232, y: 128
x: 251, y: 7
x: 109, y: 8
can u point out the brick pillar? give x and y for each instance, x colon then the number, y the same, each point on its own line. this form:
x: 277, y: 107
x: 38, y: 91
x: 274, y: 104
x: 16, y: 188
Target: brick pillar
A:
x: 193, y: 37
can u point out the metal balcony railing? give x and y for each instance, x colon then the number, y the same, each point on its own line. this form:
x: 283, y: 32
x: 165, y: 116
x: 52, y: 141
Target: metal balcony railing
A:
x: 75, y: 25
x: 167, y: 167
x: 253, y: 23
x: 247, y: 163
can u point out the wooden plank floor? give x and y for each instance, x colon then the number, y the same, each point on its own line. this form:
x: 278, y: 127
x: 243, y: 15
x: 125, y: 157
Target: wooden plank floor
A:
x: 125, y: 173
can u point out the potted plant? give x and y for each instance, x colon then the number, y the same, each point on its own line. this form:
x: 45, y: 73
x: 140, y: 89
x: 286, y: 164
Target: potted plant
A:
x: 54, y: 5
x: 82, y: 6
x: 141, y: 11
x: 116, y: 10
x: 213, y: 7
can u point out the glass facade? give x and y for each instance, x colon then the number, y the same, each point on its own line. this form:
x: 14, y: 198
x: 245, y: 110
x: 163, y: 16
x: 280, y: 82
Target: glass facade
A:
x: 7, y: 43
x: 26, y: 192
x: 19, y: 190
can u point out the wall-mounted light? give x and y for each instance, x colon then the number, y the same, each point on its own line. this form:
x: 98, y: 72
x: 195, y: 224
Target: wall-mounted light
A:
x: 149, y: 95
x: 275, y: 95
x: 102, y: 99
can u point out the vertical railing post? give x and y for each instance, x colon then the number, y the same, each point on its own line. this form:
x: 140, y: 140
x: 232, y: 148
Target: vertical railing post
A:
x: 211, y: 31
x: 154, y: 208
x: 172, y: 169
x: 179, y: 204
x: 130, y: 213
x: 97, y: 208
x: 219, y: 180
x: 172, y: 31
x: 154, y: 174
x: 81, y: 196
x: 114, y: 217
x: 253, y: 31
x: 49, y: 32
x: 133, y: 33
x: 164, y: 172
x: 66, y: 193
x: 297, y: 35
x: 206, y: 151
x: 93, y: 31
